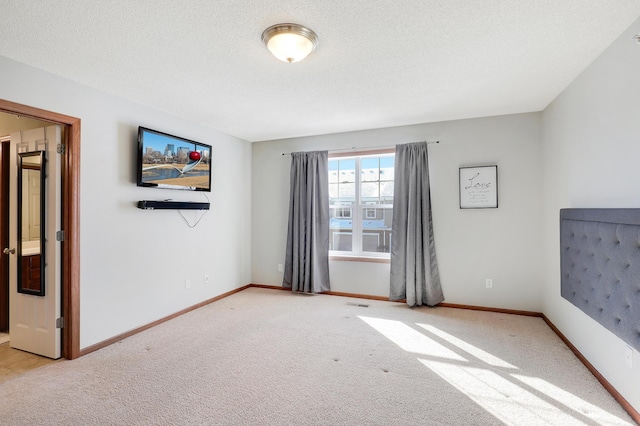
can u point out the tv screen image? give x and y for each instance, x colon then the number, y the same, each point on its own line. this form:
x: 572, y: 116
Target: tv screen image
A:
x: 171, y: 162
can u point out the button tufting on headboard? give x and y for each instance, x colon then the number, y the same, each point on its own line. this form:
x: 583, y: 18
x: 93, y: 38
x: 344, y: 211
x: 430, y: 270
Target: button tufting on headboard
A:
x: 600, y: 267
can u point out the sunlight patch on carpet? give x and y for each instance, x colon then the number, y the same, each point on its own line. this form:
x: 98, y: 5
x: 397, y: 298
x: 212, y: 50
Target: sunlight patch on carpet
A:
x: 469, y: 348
x: 411, y: 340
x: 571, y: 401
x: 502, y: 398
x: 486, y: 379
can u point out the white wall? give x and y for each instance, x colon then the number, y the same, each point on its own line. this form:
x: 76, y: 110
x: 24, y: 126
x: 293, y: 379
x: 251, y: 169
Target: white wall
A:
x: 472, y: 245
x: 134, y: 262
x: 591, y: 148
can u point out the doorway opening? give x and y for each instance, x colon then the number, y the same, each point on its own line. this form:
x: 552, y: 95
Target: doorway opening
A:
x: 70, y: 249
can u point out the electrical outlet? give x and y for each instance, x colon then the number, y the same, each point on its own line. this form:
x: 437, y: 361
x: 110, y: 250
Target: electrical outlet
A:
x: 280, y: 267
x: 206, y: 279
x: 628, y: 356
x: 187, y: 284
x: 488, y: 282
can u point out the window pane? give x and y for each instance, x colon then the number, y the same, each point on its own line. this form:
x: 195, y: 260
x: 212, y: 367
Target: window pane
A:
x: 341, y: 241
x: 370, y: 169
x: 387, y: 217
x: 340, y: 235
x: 347, y: 169
x: 371, y: 211
x: 333, y: 171
x: 386, y: 168
x: 370, y: 192
x: 342, y: 213
x: 370, y: 162
x: 387, y: 162
x: 333, y: 192
x: 386, y: 192
x: 339, y: 213
x: 346, y: 193
x: 376, y: 229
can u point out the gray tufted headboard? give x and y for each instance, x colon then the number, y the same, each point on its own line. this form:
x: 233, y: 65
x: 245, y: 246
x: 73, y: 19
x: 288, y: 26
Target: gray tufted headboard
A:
x: 600, y: 266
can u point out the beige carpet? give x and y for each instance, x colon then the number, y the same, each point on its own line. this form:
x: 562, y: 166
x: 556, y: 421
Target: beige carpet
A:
x: 268, y: 357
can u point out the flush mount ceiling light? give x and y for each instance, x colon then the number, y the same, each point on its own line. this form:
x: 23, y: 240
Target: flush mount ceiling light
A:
x: 290, y: 42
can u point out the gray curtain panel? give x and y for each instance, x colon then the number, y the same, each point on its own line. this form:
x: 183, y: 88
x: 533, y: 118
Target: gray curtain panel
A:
x: 414, y: 268
x: 307, y: 258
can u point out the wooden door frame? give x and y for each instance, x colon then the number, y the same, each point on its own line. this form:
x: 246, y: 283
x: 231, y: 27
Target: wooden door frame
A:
x: 4, y: 235
x: 70, y: 202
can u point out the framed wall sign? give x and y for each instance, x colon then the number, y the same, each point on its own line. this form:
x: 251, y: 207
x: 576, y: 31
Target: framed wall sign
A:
x: 479, y: 187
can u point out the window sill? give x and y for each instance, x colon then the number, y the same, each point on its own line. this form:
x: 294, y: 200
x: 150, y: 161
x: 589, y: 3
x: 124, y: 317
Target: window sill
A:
x: 359, y: 259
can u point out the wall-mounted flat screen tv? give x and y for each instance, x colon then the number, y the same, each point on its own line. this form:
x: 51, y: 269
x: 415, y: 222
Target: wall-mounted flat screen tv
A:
x: 171, y: 162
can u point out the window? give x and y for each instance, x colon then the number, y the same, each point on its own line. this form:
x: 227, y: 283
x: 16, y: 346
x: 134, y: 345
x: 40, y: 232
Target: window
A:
x: 361, y: 204
x: 343, y: 212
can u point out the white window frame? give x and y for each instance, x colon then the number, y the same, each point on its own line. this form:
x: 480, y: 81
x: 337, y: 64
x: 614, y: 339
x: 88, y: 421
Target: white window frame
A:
x: 360, y: 209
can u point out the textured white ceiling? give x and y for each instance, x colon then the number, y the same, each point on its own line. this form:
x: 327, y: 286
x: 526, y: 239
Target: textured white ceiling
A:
x: 379, y: 63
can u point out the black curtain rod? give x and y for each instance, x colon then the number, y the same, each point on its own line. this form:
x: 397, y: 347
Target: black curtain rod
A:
x: 358, y: 148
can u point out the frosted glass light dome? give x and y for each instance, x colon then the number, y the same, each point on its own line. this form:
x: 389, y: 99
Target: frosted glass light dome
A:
x: 290, y: 42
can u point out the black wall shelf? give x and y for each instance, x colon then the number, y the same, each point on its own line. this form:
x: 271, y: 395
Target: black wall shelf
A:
x: 175, y: 205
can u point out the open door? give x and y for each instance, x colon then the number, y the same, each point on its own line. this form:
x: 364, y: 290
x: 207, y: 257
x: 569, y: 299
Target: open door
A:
x: 4, y: 234
x: 34, y: 252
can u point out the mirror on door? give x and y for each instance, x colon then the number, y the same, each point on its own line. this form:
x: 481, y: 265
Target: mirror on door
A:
x: 31, y: 228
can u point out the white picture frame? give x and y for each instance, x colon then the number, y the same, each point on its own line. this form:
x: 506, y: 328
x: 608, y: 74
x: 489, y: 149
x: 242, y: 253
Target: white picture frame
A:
x: 479, y: 187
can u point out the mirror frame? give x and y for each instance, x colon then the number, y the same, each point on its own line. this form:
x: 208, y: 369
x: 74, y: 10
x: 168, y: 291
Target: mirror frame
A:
x: 35, y: 290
